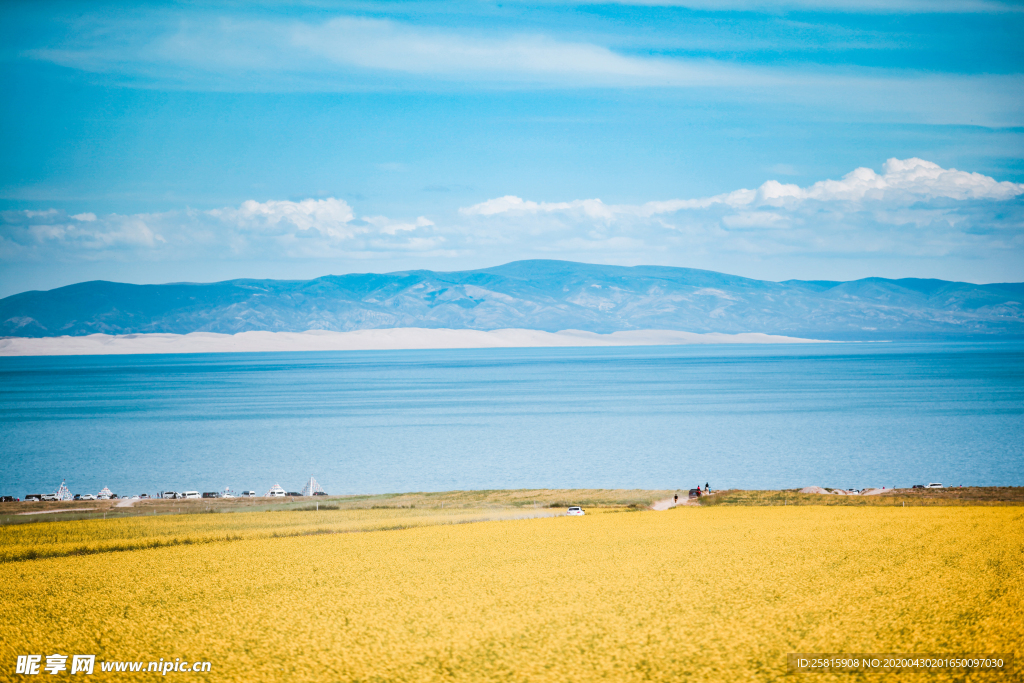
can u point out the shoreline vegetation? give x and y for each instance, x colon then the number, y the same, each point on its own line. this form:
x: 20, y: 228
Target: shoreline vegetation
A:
x: 951, y: 496
x: 94, y: 527
x: 48, y: 511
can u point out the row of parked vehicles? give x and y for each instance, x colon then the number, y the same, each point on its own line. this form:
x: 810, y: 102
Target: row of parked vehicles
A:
x: 78, y: 496
x: 172, y: 495
x: 282, y: 494
x: 207, y: 494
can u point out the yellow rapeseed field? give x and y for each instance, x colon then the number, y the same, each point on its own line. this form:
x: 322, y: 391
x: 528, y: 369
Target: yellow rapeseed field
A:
x: 694, y: 594
x: 87, y: 537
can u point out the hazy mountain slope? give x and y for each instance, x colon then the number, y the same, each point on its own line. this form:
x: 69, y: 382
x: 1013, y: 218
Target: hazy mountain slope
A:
x: 544, y: 295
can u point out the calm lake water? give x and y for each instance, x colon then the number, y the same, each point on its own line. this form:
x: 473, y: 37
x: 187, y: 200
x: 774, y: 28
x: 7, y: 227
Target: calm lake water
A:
x: 841, y: 415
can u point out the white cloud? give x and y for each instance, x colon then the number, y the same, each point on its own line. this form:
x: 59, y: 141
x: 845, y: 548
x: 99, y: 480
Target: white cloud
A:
x: 593, y: 208
x: 913, y: 208
x: 383, y: 44
x: 311, y: 228
x: 902, y: 181
x: 852, y: 6
x: 357, y: 53
x: 347, y: 52
x: 327, y: 216
x: 386, y: 226
x: 908, y: 178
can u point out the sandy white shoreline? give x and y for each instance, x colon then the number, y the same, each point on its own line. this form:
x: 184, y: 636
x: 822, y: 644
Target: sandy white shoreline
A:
x: 364, y: 340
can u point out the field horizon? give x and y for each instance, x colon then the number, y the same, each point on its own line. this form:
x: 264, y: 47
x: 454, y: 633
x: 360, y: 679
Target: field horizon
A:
x: 499, y: 499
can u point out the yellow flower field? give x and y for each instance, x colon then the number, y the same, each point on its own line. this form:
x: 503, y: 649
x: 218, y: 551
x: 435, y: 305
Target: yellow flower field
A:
x: 87, y: 537
x: 694, y: 594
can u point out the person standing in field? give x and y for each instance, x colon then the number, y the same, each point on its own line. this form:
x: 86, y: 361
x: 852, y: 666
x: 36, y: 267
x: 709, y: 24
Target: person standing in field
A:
x: 676, y: 501
x: 707, y: 487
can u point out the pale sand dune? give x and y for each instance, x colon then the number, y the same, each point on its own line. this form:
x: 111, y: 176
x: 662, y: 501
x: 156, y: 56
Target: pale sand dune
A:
x: 363, y: 340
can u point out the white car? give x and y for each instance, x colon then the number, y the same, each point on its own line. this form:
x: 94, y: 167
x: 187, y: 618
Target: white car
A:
x: 248, y: 494
x: 191, y: 494
x: 933, y: 486
x: 87, y: 496
x: 576, y: 511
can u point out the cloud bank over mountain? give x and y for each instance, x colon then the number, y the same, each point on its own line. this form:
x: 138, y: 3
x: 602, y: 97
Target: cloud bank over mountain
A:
x: 903, y: 183
x: 311, y: 228
x: 912, y: 209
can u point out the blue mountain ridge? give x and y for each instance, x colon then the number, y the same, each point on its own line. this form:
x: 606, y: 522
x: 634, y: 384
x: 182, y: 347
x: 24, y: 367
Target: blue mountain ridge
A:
x: 537, y: 294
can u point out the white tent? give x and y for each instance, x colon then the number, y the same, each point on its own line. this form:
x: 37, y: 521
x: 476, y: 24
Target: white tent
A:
x: 312, y: 487
x: 105, y: 492
x: 63, y: 493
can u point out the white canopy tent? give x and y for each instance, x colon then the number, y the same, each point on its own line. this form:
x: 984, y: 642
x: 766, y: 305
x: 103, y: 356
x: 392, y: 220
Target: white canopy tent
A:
x: 312, y: 487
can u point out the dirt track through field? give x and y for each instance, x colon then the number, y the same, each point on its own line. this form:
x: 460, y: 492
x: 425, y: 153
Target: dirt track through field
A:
x: 49, y: 512
x: 669, y: 503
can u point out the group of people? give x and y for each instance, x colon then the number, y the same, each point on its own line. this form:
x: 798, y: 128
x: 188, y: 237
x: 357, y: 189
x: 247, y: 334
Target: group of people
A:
x: 707, y: 490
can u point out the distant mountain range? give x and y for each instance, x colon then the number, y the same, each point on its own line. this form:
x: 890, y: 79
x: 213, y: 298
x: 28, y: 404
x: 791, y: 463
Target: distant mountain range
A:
x: 541, y: 295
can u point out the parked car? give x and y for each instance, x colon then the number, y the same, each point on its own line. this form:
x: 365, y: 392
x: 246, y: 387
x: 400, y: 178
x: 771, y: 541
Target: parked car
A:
x: 248, y: 494
x: 293, y: 493
x: 78, y: 496
x: 33, y: 497
x: 277, y: 493
x: 190, y: 494
x: 917, y: 486
x: 210, y: 494
x: 320, y: 493
x: 143, y: 495
x: 8, y: 499
x: 576, y: 511
x: 168, y: 494
x: 86, y: 496
x: 48, y: 496
x: 933, y: 486
x: 694, y: 493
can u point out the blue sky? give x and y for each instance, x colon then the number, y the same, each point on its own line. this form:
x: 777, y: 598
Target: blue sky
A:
x: 154, y: 142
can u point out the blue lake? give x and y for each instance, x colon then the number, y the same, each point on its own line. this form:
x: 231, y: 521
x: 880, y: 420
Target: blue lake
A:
x: 841, y: 415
